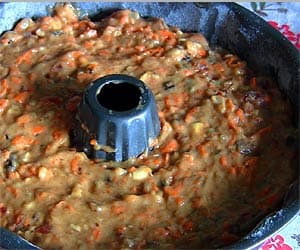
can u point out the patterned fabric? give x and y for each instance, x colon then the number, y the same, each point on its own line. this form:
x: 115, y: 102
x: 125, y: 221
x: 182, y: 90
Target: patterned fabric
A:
x: 283, y: 16
x: 288, y: 238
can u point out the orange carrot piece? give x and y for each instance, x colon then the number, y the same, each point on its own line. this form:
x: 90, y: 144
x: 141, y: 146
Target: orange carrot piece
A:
x: 188, y: 158
x: 189, y: 116
x: 3, y: 104
x: 232, y: 123
x: 173, y: 191
x: 41, y: 195
x: 223, y: 161
x: 175, y: 99
x: 13, y: 175
x: 140, y: 48
x: 253, y: 82
x: 155, y: 36
x: 93, y: 142
x: 23, y: 119
x: 165, y: 34
x: 232, y: 171
x: 188, y: 72
x: 202, y: 150
x: 188, y: 226
x: 240, y: 114
x: 57, y: 134
x: 267, y: 99
x: 96, y: 234
x: 88, y: 44
x: 203, y: 53
x: 21, y: 97
x: 49, y: 148
x: 26, y: 222
x: 16, y: 80
x: 229, y: 105
x: 170, y: 146
x: 232, y: 139
x: 49, y: 100
x: 152, y: 161
x: 251, y: 162
x: 22, y: 141
x: 155, y: 51
x: 179, y: 201
x: 25, y: 57
x: 123, y: 19
x: 38, y: 129
x: 76, y: 53
x: 3, y: 87
x: 13, y: 191
x: 104, y: 52
x: 73, y: 103
x: 75, y: 166
x: 219, y: 67
x: 32, y: 77
x: 83, y: 77
x: 118, y: 209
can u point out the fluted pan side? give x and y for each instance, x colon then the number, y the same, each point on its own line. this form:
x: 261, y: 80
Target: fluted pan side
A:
x: 116, y: 120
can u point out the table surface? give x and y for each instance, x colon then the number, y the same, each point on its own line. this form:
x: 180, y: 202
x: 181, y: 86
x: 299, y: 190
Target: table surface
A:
x: 283, y: 16
x: 288, y: 238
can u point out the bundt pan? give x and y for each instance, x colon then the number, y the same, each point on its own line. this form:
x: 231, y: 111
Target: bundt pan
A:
x: 226, y: 24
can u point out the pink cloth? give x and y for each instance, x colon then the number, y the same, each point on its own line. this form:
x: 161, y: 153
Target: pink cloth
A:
x: 283, y: 16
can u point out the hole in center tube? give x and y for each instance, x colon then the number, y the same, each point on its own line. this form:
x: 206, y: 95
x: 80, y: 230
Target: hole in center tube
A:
x: 119, y: 96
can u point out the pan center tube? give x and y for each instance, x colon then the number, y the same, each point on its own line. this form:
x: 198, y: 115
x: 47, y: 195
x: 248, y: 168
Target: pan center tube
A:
x: 119, y: 97
x: 116, y: 119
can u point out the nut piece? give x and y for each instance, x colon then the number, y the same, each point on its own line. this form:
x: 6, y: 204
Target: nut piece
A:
x: 42, y: 174
x: 176, y: 54
x: 141, y: 173
x: 120, y: 171
x: 75, y: 227
x: 197, y: 128
x: 77, y: 191
x: 193, y: 47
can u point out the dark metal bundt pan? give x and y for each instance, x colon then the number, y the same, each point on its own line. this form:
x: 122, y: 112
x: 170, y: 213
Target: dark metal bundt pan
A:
x: 226, y: 24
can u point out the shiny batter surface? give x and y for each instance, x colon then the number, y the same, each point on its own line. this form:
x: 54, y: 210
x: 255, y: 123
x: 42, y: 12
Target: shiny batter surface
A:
x: 221, y: 161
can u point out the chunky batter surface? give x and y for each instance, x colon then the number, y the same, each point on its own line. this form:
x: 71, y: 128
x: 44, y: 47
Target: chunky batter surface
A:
x: 220, y: 163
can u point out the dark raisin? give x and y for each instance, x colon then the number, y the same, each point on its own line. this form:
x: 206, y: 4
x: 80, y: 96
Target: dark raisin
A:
x: 3, y: 210
x: 107, y: 179
x: 244, y: 147
x: 44, y: 229
x: 186, y: 59
x: 57, y: 32
x: 11, y: 164
x: 254, y: 98
x: 168, y: 85
x: 90, y: 71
